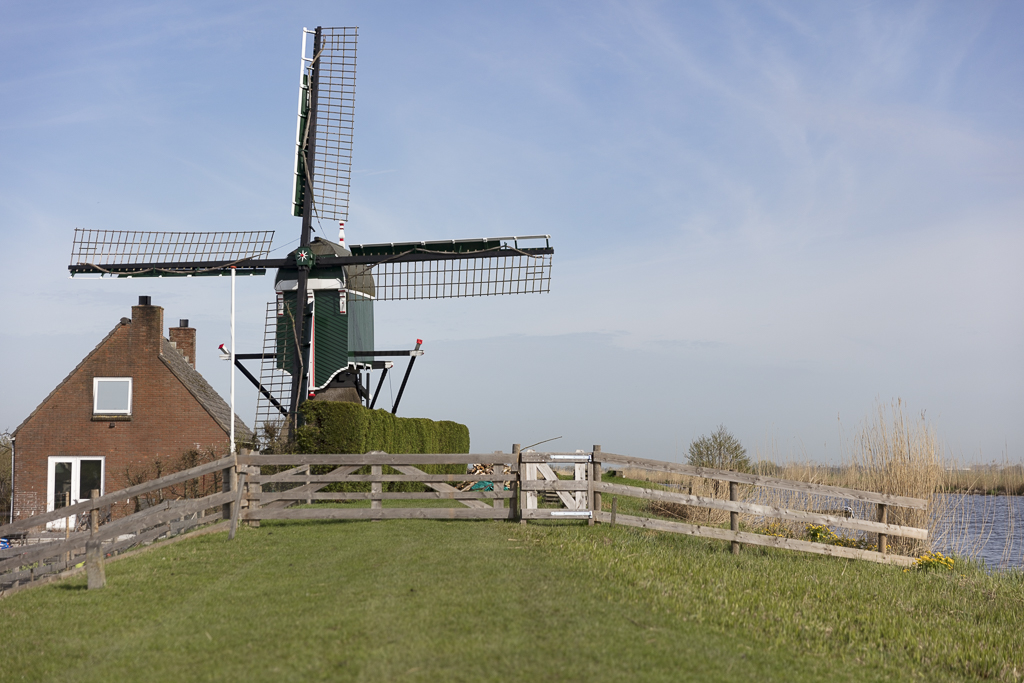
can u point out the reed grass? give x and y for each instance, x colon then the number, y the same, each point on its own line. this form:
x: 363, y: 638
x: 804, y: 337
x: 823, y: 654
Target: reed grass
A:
x: 994, y: 480
x: 889, y: 453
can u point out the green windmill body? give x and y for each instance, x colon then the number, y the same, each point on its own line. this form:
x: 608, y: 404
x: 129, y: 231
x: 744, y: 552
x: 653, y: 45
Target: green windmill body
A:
x: 340, y: 311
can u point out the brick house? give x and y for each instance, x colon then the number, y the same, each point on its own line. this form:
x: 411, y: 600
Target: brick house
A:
x: 135, y: 399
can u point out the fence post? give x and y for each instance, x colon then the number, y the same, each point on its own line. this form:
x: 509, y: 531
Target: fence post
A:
x: 517, y: 458
x: 513, y: 487
x: 734, y: 517
x: 254, y: 489
x: 594, y: 497
x: 309, y: 494
x: 883, y: 517
x: 236, y: 510
x: 95, y: 572
x: 228, y: 484
x: 376, y: 488
x: 615, y: 508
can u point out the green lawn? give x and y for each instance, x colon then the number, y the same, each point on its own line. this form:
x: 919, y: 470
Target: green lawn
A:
x: 477, y: 601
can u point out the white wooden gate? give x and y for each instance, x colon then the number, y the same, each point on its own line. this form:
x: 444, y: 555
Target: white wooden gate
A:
x: 576, y: 495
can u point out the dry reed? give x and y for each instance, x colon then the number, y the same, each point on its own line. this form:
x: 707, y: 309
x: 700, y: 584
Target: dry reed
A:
x: 889, y: 454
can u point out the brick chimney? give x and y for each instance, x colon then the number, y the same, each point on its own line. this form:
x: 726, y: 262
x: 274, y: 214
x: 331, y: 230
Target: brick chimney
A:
x: 184, y: 337
x: 147, y: 326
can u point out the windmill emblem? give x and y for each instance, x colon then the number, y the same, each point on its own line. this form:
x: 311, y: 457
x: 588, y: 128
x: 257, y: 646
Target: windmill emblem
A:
x: 319, y: 339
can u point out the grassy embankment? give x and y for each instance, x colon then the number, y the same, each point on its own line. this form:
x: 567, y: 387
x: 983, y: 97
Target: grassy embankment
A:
x: 429, y: 600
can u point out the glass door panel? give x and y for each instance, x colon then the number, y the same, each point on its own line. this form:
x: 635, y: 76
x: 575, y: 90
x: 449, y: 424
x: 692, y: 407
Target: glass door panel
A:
x: 90, y: 476
x: 61, y: 484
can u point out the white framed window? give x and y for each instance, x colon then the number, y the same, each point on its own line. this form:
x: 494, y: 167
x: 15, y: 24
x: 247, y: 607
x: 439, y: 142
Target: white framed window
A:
x: 112, y: 396
x: 70, y: 479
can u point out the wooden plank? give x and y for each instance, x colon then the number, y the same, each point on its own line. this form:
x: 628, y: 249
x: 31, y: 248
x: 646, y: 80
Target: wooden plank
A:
x: 545, y: 471
x: 486, y: 512
x: 160, y: 515
x: 366, y: 495
x: 377, y: 459
x: 530, y: 475
x: 441, y: 488
x: 285, y: 475
x: 757, y: 480
x: 557, y: 513
x: 763, y: 510
x: 296, y: 475
x: 43, y: 551
x: 171, y: 529
x: 334, y: 478
x: 757, y: 539
x: 122, y: 495
x: 580, y: 498
x: 556, y: 485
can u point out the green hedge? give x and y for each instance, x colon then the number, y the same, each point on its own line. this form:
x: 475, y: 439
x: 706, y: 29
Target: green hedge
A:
x: 336, y: 427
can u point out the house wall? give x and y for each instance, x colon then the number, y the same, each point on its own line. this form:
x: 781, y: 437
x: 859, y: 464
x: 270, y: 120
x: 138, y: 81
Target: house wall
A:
x: 166, y: 420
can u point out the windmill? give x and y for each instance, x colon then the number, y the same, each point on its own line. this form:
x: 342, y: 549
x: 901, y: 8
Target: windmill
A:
x: 319, y: 339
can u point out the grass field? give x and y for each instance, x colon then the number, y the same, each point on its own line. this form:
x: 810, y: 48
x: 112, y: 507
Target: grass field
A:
x: 478, y: 601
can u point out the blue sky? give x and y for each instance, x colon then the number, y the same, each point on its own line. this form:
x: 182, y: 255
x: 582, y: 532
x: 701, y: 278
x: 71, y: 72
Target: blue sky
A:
x: 766, y: 215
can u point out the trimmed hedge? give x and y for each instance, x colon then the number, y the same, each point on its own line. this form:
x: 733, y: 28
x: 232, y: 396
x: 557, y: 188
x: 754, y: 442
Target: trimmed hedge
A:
x: 337, y: 427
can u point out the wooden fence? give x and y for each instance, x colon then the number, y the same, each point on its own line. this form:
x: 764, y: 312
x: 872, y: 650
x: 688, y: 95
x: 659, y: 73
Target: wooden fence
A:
x: 258, y: 487
x: 37, y: 556
x: 298, y: 485
x: 880, y: 526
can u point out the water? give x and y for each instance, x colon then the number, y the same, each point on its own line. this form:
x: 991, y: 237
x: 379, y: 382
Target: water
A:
x: 989, y: 528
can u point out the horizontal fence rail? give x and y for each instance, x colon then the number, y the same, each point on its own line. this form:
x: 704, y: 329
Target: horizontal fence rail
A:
x: 770, y: 482
x: 756, y: 539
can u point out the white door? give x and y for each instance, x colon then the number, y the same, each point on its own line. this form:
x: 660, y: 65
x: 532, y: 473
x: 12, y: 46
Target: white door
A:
x: 70, y: 480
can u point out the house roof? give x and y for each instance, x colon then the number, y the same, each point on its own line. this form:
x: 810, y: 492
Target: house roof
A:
x: 202, y: 391
x: 207, y: 397
x: 124, y: 321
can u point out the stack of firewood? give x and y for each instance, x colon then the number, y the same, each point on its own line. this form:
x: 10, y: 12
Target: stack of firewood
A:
x: 485, y: 469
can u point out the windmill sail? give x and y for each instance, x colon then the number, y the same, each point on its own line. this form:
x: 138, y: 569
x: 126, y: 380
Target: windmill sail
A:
x: 458, y: 268
x: 136, y: 253
x: 332, y: 102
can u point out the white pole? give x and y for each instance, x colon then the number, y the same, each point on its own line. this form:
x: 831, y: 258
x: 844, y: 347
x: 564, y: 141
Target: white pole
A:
x: 232, y: 418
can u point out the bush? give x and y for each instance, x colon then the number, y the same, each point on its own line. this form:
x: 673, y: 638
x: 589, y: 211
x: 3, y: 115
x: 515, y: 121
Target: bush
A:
x: 720, y: 451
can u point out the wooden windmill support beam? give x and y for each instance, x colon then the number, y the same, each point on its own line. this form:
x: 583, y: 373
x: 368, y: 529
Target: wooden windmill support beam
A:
x: 401, y: 389
x: 256, y: 383
x: 380, y: 384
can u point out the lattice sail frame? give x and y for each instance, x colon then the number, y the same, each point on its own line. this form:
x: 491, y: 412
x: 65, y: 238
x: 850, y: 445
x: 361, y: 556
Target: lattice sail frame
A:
x: 510, y: 272
x: 335, y: 118
x: 126, y: 247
